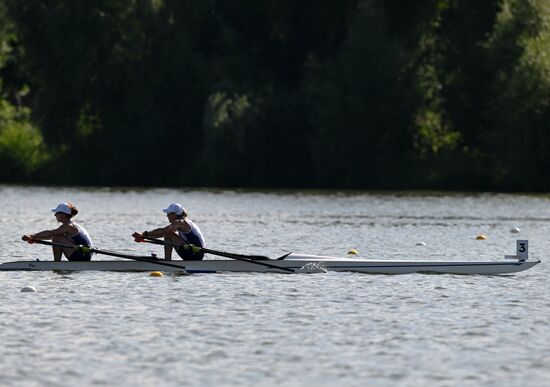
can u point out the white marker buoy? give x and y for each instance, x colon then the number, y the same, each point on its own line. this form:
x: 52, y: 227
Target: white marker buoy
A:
x: 29, y: 289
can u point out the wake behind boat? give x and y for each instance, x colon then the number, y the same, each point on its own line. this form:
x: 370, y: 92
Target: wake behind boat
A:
x: 293, y: 263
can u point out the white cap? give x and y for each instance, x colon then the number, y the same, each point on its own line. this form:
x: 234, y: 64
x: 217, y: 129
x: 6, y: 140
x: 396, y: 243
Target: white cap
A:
x: 64, y: 208
x: 175, y: 208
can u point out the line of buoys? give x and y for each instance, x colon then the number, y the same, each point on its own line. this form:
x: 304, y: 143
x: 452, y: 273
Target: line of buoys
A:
x: 29, y: 289
x: 156, y: 274
x: 482, y: 237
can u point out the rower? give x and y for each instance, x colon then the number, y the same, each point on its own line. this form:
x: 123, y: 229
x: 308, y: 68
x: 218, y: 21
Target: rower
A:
x: 69, y: 234
x: 178, y: 235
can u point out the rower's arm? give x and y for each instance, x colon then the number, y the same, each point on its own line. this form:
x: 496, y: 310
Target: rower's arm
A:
x: 157, y: 232
x: 49, y: 234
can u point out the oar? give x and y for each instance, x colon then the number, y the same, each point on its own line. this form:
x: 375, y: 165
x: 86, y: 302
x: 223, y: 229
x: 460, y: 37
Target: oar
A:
x: 238, y: 257
x: 86, y: 249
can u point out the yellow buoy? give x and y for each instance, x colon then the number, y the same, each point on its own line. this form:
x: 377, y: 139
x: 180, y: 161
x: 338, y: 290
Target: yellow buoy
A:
x: 481, y: 237
x: 353, y: 252
x: 156, y: 274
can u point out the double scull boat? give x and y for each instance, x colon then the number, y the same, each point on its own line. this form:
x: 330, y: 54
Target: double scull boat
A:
x: 292, y: 263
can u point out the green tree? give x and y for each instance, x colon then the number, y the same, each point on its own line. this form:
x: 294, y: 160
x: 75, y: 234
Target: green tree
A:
x: 361, y: 107
x: 256, y: 127
x: 119, y: 85
x: 519, y: 110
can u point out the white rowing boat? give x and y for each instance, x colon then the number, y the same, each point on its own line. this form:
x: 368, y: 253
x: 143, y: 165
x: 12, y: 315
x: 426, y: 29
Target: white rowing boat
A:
x: 292, y: 263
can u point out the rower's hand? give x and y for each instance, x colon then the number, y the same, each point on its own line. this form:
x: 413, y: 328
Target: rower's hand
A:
x: 138, y: 237
x: 27, y: 238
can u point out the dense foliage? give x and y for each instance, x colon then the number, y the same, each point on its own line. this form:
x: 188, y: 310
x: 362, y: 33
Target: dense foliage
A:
x: 276, y: 93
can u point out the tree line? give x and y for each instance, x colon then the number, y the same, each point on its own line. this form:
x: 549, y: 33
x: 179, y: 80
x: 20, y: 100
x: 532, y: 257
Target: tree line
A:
x: 375, y: 94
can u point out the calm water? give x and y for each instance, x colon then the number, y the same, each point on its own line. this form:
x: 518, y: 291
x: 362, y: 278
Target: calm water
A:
x: 345, y: 329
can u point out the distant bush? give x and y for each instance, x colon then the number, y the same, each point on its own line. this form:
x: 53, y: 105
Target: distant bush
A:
x: 22, y: 150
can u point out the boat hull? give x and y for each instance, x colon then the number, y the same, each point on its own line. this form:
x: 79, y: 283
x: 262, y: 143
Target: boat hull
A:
x: 298, y: 263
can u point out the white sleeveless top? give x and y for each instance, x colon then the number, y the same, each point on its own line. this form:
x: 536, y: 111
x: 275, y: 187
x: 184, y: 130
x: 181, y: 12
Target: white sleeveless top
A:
x: 82, y: 238
x: 194, y: 236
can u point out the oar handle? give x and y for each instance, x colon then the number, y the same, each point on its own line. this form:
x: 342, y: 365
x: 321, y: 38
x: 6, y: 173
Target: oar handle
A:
x: 31, y: 240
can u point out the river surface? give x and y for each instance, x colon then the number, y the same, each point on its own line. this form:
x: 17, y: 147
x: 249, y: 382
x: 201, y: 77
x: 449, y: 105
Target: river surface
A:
x: 322, y: 329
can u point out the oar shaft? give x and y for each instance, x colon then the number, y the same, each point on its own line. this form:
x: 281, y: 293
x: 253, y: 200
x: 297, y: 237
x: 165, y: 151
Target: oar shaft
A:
x: 231, y: 255
x: 238, y: 257
x: 110, y: 253
x: 205, y: 250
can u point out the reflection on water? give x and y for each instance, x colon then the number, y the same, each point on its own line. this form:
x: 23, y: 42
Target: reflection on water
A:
x: 96, y: 328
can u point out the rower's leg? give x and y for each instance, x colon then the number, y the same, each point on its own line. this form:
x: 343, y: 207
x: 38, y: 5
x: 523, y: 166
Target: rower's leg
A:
x: 167, y: 252
x: 173, y: 239
x: 57, y: 251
